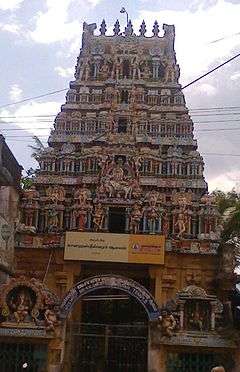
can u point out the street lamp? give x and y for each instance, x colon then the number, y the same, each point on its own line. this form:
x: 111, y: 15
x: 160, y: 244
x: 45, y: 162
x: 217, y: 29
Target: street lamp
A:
x: 123, y: 10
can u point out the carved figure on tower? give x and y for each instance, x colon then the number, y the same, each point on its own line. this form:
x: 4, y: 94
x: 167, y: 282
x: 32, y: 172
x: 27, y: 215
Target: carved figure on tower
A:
x: 98, y: 217
x: 135, y: 218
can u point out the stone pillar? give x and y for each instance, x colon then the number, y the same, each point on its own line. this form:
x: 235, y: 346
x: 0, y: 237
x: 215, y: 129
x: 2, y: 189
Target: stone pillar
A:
x: 181, y: 316
x: 156, y: 274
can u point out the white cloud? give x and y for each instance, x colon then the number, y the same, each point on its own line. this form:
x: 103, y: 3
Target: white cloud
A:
x: 10, y: 27
x: 94, y: 3
x: 52, y: 26
x: 235, y: 76
x: 30, y: 116
x: 207, y: 89
x: 10, y: 4
x: 64, y: 72
x: 15, y: 92
x: 195, y: 32
x: 225, y: 182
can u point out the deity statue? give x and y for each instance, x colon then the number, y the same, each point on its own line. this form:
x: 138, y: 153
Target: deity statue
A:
x: 136, y: 68
x: 98, y: 217
x: 53, y: 220
x: 87, y: 71
x: 196, y: 321
x: 80, y: 215
x: 104, y: 71
x: 30, y: 195
x: 153, y: 212
x: 21, y: 305
x: 167, y: 323
x: 135, y: 218
x: 181, y: 224
x: 82, y: 194
x: 116, y: 69
x: 51, y: 320
x: 170, y: 73
x: 56, y: 193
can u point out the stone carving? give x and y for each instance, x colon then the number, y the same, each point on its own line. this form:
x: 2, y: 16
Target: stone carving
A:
x: 135, y: 218
x: 98, y: 217
x: 116, y: 28
x: 155, y: 29
x: 25, y: 302
x: 82, y: 194
x: 56, y: 194
x: 143, y: 28
x: 103, y: 27
x: 153, y: 211
x: 167, y: 323
x: 53, y: 220
x: 21, y: 304
x: 181, y: 222
x: 51, y: 320
x: 117, y: 179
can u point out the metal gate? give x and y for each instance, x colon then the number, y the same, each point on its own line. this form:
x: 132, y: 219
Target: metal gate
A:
x: 16, y: 357
x: 105, y: 348
x: 187, y: 362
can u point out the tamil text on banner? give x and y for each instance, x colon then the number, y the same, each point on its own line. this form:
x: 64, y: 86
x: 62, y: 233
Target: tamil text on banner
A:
x: 85, y: 246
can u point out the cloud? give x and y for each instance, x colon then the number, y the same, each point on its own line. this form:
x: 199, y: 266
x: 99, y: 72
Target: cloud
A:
x: 53, y: 26
x: 94, y: 3
x: 64, y: 72
x: 10, y: 4
x: 36, y: 118
x: 15, y: 92
x: 225, y: 182
x: 195, y: 31
x: 235, y: 76
x: 10, y: 27
x: 207, y: 89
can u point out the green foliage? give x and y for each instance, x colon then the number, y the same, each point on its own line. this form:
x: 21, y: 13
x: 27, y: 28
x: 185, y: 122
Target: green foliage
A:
x: 27, y: 181
x: 226, y: 200
x: 229, y: 208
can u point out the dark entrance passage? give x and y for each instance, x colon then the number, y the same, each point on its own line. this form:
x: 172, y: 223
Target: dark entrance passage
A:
x: 117, y: 220
x: 16, y: 357
x: 113, y: 334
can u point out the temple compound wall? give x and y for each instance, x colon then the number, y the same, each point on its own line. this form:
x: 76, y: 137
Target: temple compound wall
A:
x: 119, y: 264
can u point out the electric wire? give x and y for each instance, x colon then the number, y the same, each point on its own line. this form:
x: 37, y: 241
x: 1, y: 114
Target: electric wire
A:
x: 63, y: 90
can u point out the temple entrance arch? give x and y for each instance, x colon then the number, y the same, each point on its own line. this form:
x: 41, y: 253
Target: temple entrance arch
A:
x: 111, y: 331
x: 129, y: 286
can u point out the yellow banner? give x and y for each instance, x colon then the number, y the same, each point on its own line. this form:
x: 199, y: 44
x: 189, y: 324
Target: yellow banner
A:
x: 84, y: 246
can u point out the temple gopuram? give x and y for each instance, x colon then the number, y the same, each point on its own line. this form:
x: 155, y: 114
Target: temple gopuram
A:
x: 119, y: 264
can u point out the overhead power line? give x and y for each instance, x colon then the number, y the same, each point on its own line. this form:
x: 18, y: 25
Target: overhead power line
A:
x: 34, y: 97
x: 62, y: 90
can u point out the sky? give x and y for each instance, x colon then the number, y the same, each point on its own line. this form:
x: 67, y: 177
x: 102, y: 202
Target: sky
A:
x: 40, y: 42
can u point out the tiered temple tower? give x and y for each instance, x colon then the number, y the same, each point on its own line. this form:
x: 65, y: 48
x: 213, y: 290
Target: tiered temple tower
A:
x: 123, y: 142
x: 119, y: 220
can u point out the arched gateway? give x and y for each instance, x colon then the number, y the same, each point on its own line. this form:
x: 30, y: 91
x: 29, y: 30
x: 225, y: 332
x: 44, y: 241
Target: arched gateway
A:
x: 110, y: 330
x: 118, y: 282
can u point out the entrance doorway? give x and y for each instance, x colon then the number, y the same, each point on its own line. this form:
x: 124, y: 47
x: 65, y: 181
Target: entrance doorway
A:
x: 117, y: 220
x: 112, y: 335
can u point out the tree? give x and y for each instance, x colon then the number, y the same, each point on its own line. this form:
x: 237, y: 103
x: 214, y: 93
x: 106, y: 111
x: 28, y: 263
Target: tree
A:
x: 229, y: 207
